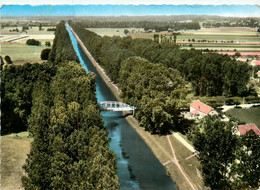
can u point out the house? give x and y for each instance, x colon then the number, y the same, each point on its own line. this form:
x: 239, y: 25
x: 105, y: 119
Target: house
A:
x: 255, y: 62
x: 243, y: 129
x: 200, y: 110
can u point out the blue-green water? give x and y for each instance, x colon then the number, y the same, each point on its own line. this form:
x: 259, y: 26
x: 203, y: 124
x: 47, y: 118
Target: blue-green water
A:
x: 138, y: 168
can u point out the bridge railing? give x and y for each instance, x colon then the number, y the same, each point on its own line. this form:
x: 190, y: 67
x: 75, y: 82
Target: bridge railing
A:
x: 115, y: 106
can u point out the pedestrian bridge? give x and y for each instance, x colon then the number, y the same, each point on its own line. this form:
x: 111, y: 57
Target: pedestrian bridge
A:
x: 115, y: 106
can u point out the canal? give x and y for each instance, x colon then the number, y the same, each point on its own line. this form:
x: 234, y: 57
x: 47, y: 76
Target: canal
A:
x: 138, y: 168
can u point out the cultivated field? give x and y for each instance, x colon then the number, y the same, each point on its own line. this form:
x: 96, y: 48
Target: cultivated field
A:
x: 115, y: 31
x: 14, y: 45
x: 14, y: 150
x: 247, y: 115
x: 220, y: 39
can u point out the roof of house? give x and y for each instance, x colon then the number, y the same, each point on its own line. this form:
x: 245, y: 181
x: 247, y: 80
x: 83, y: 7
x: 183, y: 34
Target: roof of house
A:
x: 243, y: 129
x: 198, y: 105
x: 256, y: 62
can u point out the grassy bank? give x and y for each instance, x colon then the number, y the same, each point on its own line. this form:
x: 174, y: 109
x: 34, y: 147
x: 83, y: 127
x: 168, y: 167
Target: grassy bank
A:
x: 14, y: 150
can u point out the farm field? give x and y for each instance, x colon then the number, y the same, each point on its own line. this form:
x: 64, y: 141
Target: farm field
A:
x: 114, y: 31
x: 247, y: 115
x: 33, y: 30
x: 21, y: 53
x: 14, y: 45
x: 243, y: 39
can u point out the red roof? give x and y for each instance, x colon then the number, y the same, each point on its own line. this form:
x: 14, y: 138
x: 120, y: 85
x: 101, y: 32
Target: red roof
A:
x: 243, y: 129
x: 199, y: 106
x: 256, y: 62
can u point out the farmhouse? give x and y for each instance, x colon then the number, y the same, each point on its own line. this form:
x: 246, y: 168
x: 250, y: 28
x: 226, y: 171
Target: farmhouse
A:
x: 243, y: 129
x: 199, y: 109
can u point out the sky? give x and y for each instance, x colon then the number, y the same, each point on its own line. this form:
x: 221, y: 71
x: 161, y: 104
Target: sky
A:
x: 134, y: 2
x: 122, y: 7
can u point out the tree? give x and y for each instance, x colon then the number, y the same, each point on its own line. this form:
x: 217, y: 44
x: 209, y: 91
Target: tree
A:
x: 48, y: 43
x: 126, y: 31
x: 216, y: 146
x: 40, y: 26
x: 248, y: 168
x: 45, y: 53
x: 145, y: 85
x: 70, y: 149
x: 1, y: 61
x: 33, y: 42
x: 8, y: 59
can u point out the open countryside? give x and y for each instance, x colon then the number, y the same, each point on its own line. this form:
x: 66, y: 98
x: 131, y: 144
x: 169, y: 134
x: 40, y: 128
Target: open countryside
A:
x: 63, y: 95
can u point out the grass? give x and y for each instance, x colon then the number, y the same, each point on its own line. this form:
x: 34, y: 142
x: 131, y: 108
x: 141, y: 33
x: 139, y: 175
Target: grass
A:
x: 21, y: 53
x: 22, y: 136
x: 247, y: 115
x: 33, y: 30
x: 14, y: 150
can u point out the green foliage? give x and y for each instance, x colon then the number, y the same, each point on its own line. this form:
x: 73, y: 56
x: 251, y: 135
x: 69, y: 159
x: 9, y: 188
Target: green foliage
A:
x: 48, y: 43
x: 211, y: 74
x: 158, y: 26
x: 227, y: 161
x: 17, y: 83
x: 216, y: 149
x: 71, y: 146
x: 62, y: 48
x: 7, y: 59
x: 33, y: 42
x: 40, y: 26
x: 45, y: 53
x: 248, y: 168
x: 146, y: 86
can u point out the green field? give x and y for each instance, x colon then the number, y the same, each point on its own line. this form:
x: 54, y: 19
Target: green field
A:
x: 33, y: 30
x: 251, y: 115
x: 21, y: 53
x: 244, y: 38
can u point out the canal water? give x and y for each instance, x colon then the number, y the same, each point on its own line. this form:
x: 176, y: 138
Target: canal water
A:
x: 138, y: 168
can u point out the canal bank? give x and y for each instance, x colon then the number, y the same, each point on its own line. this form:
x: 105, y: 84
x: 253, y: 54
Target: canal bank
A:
x: 138, y: 168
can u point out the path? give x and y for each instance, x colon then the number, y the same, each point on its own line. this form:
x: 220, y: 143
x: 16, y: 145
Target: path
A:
x: 183, y: 141
x: 174, y: 160
x: 227, y: 107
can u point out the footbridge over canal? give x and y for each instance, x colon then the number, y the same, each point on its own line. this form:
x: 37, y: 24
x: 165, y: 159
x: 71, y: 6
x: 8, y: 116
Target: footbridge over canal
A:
x: 115, y: 106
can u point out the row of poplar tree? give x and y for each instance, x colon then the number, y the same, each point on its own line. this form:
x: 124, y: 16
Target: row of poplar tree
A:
x: 57, y: 104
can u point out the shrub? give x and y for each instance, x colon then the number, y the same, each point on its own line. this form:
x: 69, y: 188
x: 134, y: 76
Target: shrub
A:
x: 8, y: 59
x: 48, y: 43
x: 33, y: 42
x: 229, y: 101
x: 45, y: 53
